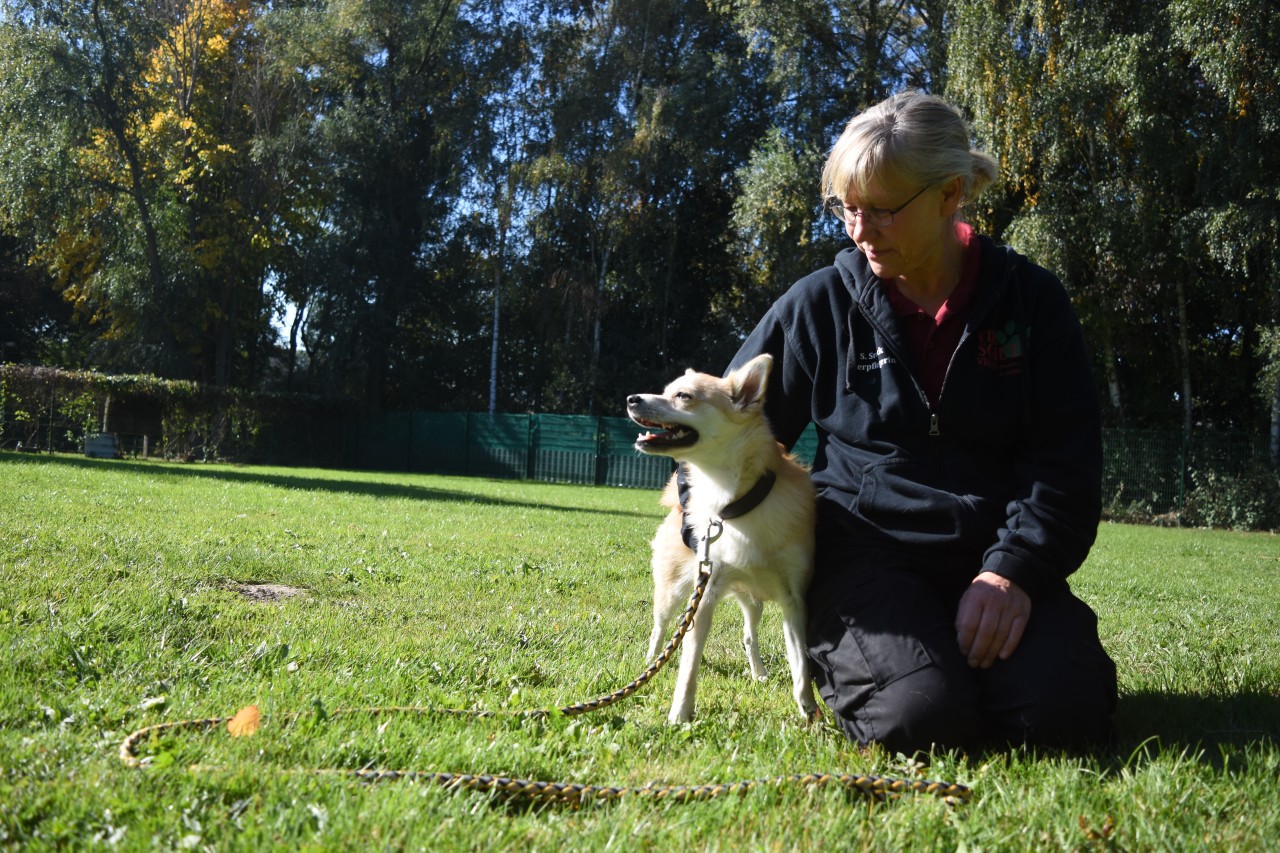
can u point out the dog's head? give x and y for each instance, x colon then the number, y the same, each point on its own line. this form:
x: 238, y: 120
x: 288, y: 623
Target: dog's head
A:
x: 699, y: 412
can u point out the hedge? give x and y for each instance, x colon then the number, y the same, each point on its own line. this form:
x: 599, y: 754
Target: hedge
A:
x: 46, y: 408
x: 1207, y: 478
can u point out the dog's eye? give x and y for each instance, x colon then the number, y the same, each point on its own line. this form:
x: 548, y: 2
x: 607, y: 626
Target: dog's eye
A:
x: 683, y: 395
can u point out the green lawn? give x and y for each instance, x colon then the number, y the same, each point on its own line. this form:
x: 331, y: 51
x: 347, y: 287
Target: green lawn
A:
x: 123, y: 604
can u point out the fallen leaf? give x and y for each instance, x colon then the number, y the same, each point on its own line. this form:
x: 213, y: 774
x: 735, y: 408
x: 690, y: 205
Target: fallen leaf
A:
x: 246, y: 721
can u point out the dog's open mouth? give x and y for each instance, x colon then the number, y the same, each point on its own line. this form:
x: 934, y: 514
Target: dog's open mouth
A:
x: 669, y: 436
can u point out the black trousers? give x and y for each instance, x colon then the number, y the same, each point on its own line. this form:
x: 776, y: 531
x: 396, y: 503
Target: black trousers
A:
x: 882, y: 641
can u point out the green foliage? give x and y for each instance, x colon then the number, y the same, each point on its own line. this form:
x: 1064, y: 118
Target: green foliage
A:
x: 574, y: 201
x: 830, y: 60
x: 1269, y: 377
x: 775, y: 216
x: 1236, y: 44
x: 1249, y: 500
x: 630, y: 188
x: 124, y: 604
x: 137, y: 184
x: 389, y: 130
x: 1145, y: 191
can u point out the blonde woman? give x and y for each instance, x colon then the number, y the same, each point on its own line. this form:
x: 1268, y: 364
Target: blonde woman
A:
x: 959, y: 456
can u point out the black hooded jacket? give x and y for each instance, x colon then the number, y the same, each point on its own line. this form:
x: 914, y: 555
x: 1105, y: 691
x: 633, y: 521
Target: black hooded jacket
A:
x: 1003, y: 474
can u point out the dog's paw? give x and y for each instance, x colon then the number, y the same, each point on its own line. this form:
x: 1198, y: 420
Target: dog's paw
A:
x: 809, y: 709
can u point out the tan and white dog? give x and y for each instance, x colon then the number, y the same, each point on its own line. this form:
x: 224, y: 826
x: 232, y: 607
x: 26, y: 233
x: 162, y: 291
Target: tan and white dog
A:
x: 739, y: 475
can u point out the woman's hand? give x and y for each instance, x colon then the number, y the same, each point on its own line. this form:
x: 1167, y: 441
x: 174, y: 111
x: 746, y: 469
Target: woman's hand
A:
x: 992, y: 615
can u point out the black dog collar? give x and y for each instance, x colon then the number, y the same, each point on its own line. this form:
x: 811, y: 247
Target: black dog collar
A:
x: 736, y: 509
x: 751, y: 499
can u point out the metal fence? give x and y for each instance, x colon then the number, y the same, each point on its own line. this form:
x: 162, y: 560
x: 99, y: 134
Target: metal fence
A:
x: 1210, y: 477
x: 1160, y: 475
x: 1149, y: 475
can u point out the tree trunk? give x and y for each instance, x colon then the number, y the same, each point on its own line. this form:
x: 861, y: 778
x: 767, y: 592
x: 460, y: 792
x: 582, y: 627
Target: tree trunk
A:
x: 295, y: 328
x: 597, y: 327
x: 1275, y: 390
x: 224, y: 339
x: 1184, y: 346
x: 1113, y: 376
x: 504, y: 223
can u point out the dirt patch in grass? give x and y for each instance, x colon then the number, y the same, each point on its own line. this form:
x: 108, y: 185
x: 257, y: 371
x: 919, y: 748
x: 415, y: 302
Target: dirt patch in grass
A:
x: 266, y: 592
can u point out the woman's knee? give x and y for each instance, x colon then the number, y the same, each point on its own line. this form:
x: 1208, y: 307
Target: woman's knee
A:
x: 1073, y: 710
x: 924, y: 710
x: 1058, y: 691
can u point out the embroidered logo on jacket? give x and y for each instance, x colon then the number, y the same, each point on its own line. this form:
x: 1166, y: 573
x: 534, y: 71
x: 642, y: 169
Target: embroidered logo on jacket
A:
x: 1001, y: 349
x: 875, y: 360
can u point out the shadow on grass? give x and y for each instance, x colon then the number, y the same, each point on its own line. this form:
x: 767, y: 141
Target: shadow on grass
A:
x: 337, y: 484
x: 1186, y: 723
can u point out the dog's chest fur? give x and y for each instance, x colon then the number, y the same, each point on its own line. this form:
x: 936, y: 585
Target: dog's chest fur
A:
x: 748, y: 544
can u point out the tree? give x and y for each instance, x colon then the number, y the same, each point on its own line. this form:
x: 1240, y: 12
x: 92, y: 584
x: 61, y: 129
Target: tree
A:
x: 549, y: 205
x: 646, y: 109
x: 210, y: 104
x: 78, y: 184
x: 146, y: 201
x: 397, y: 95
x: 773, y: 220
x: 826, y: 62
x: 34, y: 322
x: 1104, y: 135
x: 1235, y: 45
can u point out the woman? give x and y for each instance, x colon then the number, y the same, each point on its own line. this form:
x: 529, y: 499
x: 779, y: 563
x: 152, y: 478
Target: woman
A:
x: 959, y: 456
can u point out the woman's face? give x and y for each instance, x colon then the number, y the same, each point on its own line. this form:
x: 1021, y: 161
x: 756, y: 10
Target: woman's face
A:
x: 912, y: 244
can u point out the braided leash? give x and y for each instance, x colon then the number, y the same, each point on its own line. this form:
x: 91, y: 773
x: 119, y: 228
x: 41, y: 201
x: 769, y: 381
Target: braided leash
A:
x: 878, y: 787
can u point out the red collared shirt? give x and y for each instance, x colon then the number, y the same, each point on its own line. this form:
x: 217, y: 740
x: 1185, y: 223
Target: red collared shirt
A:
x: 933, y: 338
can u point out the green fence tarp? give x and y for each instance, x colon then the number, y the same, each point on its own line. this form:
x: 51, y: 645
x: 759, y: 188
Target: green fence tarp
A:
x: 554, y: 448
x: 438, y: 442
x: 1146, y: 473
x: 498, y: 446
x: 566, y: 448
x: 626, y: 466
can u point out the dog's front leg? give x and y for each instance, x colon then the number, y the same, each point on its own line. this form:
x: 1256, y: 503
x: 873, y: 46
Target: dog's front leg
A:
x: 691, y: 657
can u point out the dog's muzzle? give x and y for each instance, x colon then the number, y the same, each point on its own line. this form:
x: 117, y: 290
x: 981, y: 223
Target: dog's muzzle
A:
x: 670, y: 436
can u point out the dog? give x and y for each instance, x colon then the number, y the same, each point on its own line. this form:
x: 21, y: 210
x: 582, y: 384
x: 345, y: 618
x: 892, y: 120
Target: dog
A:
x: 739, y: 475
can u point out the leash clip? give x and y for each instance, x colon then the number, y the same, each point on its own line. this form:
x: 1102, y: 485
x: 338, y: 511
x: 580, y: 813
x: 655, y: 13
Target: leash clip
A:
x: 718, y: 526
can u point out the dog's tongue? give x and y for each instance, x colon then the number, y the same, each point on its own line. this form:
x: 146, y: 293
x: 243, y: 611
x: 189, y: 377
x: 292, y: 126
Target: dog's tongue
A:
x: 665, y: 435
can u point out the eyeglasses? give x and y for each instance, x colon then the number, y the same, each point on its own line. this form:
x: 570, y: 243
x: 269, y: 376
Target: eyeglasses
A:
x: 877, y: 216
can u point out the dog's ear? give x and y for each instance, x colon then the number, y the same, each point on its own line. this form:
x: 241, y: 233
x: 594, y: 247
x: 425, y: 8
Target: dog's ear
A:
x: 747, y: 383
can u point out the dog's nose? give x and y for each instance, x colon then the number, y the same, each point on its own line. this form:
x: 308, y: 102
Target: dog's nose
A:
x: 633, y: 399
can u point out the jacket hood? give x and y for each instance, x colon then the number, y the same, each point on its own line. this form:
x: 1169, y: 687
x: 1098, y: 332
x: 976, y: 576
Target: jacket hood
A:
x: 871, y: 301
x: 865, y: 286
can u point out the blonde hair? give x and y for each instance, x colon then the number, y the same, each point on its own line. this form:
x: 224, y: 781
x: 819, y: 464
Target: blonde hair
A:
x: 920, y: 139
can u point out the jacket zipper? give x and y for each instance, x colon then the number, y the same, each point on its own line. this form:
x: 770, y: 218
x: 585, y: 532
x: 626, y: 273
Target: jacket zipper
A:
x: 934, y: 430
x: 873, y: 321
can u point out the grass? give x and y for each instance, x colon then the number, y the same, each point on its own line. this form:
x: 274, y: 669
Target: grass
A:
x: 119, y: 608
